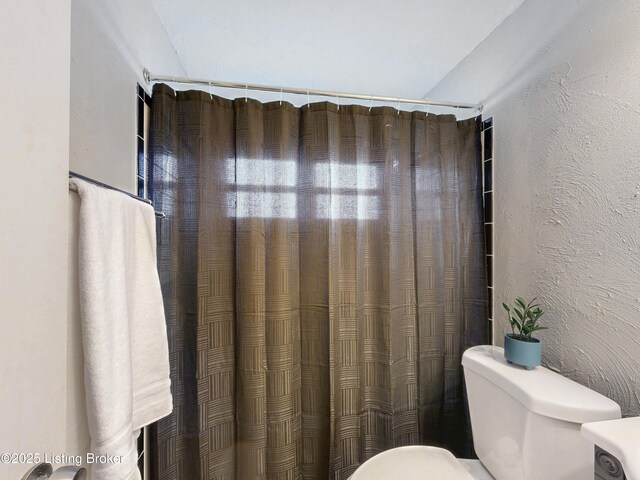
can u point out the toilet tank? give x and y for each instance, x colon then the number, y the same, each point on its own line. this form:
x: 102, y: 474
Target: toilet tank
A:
x: 526, y: 423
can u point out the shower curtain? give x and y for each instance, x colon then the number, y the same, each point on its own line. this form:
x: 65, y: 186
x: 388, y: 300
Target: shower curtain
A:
x: 322, y: 269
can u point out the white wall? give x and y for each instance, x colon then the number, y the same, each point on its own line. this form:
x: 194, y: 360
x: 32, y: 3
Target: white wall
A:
x: 34, y: 158
x: 562, y: 81
x: 112, y: 41
x: 59, y: 60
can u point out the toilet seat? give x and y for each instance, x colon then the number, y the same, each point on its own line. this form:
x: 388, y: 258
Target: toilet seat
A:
x: 412, y: 463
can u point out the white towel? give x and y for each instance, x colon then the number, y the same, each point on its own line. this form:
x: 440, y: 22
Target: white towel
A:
x: 123, y: 325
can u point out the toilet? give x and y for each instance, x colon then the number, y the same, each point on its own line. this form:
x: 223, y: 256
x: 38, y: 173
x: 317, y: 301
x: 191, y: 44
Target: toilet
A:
x: 526, y: 426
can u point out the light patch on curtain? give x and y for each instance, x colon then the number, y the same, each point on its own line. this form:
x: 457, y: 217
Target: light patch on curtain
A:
x: 258, y: 172
x: 343, y: 191
x: 264, y: 205
x: 337, y: 206
x: 166, y: 171
x: 350, y: 191
x: 352, y: 177
x: 276, y: 175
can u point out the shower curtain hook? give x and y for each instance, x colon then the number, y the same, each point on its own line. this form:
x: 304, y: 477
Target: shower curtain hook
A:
x: 308, y: 101
x: 280, y: 96
x: 210, y: 93
x: 427, y: 105
x: 246, y: 93
x: 398, y: 105
x: 370, y: 102
x: 338, y: 101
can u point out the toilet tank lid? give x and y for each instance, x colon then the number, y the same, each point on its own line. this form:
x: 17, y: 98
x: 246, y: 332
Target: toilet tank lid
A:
x: 540, y: 390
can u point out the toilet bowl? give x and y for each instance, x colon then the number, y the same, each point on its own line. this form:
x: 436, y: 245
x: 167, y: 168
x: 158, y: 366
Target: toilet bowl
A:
x: 526, y: 426
x: 418, y: 461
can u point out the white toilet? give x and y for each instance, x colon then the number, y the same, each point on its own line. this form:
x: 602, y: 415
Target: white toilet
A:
x: 526, y: 426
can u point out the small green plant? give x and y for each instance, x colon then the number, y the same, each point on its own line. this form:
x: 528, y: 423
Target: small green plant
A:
x: 524, y: 318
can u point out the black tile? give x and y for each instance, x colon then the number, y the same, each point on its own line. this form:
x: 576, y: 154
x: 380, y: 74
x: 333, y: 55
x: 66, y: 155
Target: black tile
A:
x: 147, y: 173
x: 488, y: 144
x: 488, y: 207
x: 488, y: 175
x: 490, y: 302
x: 140, y: 449
x: 488, y: 123
x: 149, y: 180
x: 489, y: 271
x: 141, y: 117
x: 140, y: 157
x: 140, y: 187
x: 488, y: 238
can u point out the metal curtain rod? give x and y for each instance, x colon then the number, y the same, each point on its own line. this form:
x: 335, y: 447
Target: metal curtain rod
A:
x: 149, y: 78
x: 109, y: 187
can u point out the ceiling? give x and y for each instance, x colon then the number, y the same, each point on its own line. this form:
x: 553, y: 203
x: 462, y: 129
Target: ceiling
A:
x: 397, y: 48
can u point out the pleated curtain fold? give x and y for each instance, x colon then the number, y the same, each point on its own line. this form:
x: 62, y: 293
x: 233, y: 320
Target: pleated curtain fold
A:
x: 323, y: 271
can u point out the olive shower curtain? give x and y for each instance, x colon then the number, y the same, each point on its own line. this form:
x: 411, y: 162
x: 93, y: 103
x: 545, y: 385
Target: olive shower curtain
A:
x: 323, y: 271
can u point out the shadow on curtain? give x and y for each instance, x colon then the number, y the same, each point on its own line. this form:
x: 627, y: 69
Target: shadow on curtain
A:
x: 323, y: 272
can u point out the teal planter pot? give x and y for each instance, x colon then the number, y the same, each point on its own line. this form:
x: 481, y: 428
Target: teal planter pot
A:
x: 526, y: 354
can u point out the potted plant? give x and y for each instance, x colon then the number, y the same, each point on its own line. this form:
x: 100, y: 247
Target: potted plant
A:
x: 519, y: 346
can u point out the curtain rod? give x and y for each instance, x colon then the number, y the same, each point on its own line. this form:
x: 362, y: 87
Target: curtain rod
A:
x: 109, y: 187
x: 149, y: 78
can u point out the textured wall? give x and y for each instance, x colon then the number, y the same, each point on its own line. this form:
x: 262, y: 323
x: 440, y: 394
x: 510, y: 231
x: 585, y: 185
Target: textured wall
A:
x: 567, y: 184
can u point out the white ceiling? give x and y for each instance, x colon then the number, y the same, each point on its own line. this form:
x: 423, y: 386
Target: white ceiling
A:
x: 383, y: 47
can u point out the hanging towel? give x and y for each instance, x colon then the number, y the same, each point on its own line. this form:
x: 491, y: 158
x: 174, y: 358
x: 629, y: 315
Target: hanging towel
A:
x: 123, y: 326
